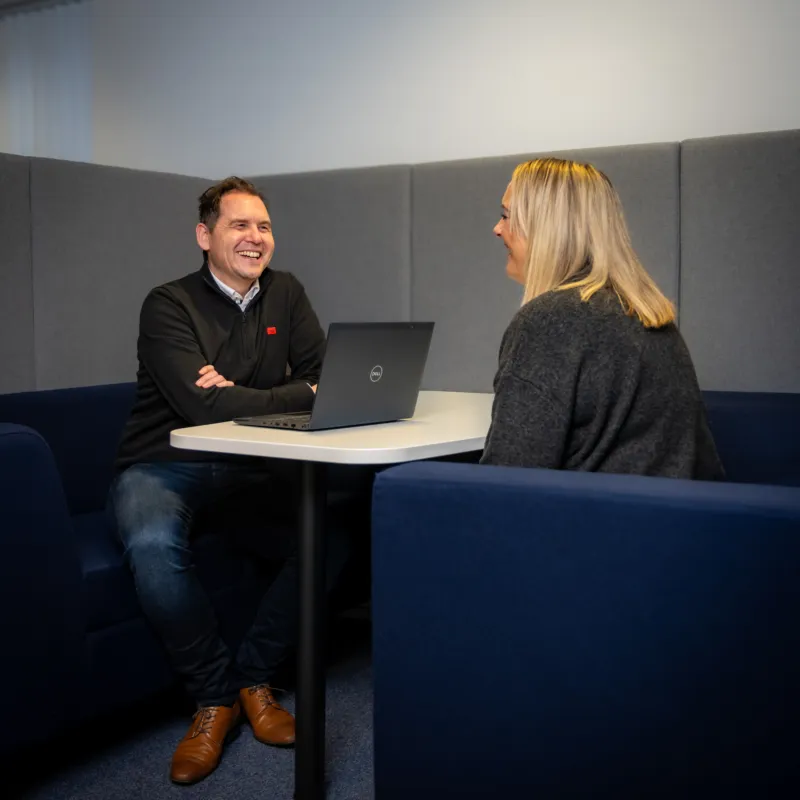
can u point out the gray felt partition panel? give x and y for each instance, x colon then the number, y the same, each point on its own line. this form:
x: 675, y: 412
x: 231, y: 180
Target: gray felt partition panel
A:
x: 345, y: 235
x: 85, y: 243
x: 740, y: 260
x: 458, y: 276
x: 102, y: 238
x: 17, y: 370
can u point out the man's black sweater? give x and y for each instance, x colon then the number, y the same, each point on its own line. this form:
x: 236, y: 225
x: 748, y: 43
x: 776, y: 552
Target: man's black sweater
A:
x: 584, y: 386
x: 188, y: 323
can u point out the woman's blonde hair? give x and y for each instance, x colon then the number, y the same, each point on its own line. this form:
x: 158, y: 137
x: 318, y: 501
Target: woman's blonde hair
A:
x: 577, y: 238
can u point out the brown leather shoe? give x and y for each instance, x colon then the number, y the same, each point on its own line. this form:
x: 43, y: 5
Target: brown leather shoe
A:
x: 199, y: 752
x: 271, y: 722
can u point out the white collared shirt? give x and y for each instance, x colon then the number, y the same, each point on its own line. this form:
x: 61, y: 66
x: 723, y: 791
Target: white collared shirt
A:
x: 240, y: 301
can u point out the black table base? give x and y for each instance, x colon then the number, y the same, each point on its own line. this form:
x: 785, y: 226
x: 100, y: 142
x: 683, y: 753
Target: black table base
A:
x: 310, y: 702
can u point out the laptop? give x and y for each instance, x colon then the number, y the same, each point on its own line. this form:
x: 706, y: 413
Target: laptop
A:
x: 371, y: 373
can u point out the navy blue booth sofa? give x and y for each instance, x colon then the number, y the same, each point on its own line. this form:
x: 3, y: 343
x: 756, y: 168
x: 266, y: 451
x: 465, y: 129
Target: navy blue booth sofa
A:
x: 544, y: 634
x: 75, y: 643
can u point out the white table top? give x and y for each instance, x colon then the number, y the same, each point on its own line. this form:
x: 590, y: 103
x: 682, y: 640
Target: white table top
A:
x: 444, y: 423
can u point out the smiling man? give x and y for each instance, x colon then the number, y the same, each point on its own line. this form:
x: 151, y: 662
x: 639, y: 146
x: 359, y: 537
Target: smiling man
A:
x: 214, y: 345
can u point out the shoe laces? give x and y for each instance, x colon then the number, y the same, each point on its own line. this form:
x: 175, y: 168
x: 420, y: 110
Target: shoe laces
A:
x: 264, y: 693
x: 204, y: 719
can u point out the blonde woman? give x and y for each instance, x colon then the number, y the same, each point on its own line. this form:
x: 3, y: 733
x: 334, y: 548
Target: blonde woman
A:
x: 593, y: 373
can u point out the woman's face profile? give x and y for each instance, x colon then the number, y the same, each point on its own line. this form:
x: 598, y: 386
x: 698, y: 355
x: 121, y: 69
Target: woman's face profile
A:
x: 516, y: 245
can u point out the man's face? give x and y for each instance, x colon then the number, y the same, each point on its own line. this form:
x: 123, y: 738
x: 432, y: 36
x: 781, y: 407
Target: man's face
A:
x: 240, y: 245
x: 517, y: 246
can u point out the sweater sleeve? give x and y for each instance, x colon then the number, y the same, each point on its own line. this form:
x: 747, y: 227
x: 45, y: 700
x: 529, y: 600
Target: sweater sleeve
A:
x: 170, y: 352
x: 531, y: 412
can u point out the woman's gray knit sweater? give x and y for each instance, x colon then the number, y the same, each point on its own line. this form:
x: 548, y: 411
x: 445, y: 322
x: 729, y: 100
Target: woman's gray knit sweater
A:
x: 584, y: 386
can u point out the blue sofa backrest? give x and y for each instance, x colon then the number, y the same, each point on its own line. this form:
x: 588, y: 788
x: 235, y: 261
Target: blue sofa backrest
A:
x: 757, y: 435
x: 83, y: 428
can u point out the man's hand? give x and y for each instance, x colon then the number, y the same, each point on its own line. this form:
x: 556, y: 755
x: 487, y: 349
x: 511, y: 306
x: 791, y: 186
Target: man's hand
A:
x: 314, y: 388
x: 209, y: 377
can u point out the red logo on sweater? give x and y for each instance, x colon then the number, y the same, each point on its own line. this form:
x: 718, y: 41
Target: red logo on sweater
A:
x: 272, y: 331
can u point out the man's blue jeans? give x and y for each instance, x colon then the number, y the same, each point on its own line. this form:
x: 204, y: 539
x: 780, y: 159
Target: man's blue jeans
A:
x: 154, y: 505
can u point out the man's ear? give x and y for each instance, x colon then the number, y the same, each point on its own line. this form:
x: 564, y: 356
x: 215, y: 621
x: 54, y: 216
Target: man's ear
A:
x: 203, y: 236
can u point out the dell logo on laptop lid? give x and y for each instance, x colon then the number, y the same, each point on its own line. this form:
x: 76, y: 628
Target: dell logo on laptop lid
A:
x: 376, y: 373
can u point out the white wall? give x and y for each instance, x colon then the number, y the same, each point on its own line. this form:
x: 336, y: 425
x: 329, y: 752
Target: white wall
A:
x: 46, y: 83
x: 210, y: 88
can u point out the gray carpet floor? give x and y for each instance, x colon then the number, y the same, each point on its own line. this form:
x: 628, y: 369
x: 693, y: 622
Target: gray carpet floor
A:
x: 133, y: 763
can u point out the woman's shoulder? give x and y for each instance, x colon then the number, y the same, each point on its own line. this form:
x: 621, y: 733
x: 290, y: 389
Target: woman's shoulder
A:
x: 559, y: 307
x: 561, y: 319
x: 549, y: 322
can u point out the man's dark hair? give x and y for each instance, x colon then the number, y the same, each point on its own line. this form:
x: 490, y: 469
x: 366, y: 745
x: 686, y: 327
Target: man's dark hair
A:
x: 211, y: 198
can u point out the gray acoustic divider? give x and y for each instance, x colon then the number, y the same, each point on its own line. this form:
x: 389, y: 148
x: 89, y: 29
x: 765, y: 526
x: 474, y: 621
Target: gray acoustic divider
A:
x: 102, y: 238
x: 17, y: 372
x: 83, y: 244
x: 458, y: 276
x: 345, y: 235
x: 740, y: 260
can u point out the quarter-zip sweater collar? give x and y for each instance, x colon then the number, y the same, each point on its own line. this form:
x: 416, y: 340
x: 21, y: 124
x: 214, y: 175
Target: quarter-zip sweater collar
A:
x: 240, y: 301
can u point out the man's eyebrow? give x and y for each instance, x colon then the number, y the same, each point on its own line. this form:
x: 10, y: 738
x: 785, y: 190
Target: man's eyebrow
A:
x: 247, y: 221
